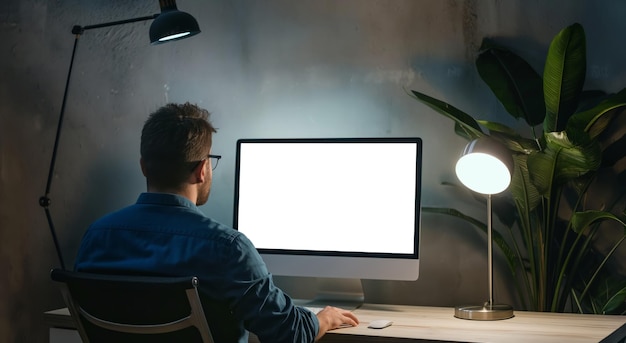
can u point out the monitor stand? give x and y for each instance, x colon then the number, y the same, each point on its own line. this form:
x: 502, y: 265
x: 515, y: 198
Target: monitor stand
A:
x: 344, y: 293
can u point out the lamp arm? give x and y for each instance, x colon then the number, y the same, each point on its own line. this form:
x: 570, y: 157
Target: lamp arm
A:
x: 77, y: 29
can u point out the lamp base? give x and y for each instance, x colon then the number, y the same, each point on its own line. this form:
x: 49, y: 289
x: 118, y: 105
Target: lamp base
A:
x: 485, y: 312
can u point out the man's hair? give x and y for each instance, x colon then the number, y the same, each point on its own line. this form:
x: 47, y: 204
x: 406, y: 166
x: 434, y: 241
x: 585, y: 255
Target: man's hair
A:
x: 173, y: 140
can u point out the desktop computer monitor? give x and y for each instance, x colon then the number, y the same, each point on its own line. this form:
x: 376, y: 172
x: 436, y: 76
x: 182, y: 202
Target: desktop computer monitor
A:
x: 340, y: 209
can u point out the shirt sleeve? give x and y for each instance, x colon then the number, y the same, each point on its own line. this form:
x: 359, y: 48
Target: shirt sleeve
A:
x: 264, y: 308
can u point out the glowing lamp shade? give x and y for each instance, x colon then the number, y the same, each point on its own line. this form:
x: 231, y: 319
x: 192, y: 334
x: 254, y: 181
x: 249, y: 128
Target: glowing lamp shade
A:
x: 485, y: 166
x: 483, y: 173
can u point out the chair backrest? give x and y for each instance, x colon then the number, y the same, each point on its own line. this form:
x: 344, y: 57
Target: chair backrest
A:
x: 125, y: 308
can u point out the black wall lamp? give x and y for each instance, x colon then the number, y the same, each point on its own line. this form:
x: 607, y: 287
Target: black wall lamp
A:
x: 169, y: 25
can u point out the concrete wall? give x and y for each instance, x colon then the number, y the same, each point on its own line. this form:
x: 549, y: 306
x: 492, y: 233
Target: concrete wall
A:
x: 273, y: 68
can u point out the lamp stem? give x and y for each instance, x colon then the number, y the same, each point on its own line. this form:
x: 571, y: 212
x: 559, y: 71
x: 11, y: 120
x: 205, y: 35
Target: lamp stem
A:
x: 44, y: 201
x: 490, y: 249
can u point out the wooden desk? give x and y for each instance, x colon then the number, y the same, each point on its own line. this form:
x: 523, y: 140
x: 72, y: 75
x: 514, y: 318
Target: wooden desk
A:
x: 438, y: 324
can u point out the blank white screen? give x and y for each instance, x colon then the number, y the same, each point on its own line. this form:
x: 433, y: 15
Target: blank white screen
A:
x: 343, y: 197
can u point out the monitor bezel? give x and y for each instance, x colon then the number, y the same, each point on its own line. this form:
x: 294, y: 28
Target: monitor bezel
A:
x: 417, y: 219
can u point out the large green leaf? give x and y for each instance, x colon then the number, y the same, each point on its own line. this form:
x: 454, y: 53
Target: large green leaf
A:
x: 499, y: 127
x: 614, y: 302
x: 463, y: 132
x: 590, y: 120
x: 513, y: 81
x: 525, y: 194
x: 564, y: 76
x: 466, y: 122
x: 581, y: 220
x: 509, y: 137
x: 561, y: 161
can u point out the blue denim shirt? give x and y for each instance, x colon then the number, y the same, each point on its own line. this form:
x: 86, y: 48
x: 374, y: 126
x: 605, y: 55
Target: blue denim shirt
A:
x: 166, y: 234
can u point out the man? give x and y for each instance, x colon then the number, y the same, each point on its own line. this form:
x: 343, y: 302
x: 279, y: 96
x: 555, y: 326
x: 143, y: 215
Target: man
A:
x: 165, y: 233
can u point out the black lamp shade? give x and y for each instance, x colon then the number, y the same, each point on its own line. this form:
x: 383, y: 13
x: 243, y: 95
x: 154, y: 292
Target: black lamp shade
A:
x: 172, y: 24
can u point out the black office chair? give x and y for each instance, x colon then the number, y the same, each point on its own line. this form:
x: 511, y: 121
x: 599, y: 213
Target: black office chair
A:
x: 123, y: 308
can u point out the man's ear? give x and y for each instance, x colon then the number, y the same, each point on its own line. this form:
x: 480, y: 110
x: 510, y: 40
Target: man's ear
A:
x: 143, y: 167
x: 199, y: 173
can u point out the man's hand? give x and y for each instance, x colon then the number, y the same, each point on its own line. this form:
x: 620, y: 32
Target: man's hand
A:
x: 332, y: 318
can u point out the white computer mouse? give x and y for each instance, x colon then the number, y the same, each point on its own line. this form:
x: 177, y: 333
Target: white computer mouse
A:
x: 379, y: 324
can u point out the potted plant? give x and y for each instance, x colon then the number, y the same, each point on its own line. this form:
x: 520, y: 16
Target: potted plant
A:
x: 550, y: 225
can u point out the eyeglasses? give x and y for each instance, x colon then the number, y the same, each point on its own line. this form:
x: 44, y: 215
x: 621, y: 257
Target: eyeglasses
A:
x: 215, y: 160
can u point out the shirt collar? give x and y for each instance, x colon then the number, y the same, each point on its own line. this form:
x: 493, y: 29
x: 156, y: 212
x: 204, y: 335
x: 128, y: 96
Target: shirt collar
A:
x: 167, y: 199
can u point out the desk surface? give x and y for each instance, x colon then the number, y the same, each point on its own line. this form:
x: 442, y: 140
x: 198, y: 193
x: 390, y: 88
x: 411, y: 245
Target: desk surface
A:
x: 439, y: 324
x: 424, y: 324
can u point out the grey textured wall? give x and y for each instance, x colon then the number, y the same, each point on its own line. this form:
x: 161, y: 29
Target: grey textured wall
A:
x: 277, y: 68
